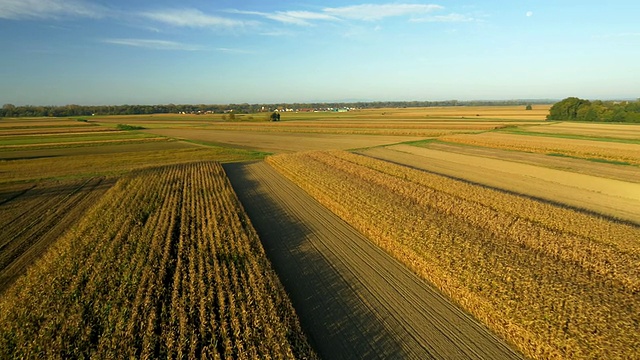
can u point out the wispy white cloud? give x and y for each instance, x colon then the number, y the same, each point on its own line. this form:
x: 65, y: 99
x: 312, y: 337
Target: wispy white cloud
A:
x: 171, y: 45
x: 379, y: 11
x: 49, y: 9
x: 299, y: 17
x: 453, y: 17
x: 234, y: 51
x: 277, y: 33
x: 302, y: 18
x: 366, y: 12
x: 154, y: 44
x: 192, y: 18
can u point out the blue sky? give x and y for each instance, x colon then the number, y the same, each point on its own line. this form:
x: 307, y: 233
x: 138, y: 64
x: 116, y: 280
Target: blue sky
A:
x: 57, y: 52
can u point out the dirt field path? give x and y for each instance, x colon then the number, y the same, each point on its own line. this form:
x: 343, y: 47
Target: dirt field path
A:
x: 354, y: 300
x: 616, y: 198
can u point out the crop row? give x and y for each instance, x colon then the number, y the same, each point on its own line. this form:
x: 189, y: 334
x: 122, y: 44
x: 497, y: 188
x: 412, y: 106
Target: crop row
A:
x: 612, y: 151
x: 166, y: 265
x: 555, y: 282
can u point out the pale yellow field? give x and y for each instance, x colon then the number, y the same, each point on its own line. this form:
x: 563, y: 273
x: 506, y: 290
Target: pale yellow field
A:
x: 538, y: 112
x: 618, y: 131
x: 612, y: 151
x: 615, y: 198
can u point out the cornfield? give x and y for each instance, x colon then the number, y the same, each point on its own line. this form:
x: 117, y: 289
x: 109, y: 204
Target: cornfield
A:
x: 554, y: 282
x: 165, y: 265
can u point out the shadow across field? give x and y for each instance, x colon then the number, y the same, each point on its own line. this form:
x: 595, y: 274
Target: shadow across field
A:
x: 9, y: 157
x: 337, y: 322
x: 354, y: 300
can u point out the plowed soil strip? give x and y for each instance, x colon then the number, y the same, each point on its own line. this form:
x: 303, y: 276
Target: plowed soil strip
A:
x: 354, y: 300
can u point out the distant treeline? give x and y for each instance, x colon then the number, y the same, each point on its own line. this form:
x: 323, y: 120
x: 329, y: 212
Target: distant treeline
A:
x: 573, y: 108
x: 9, y: 110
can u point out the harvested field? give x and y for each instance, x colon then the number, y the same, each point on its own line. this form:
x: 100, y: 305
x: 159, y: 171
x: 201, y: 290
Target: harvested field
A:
x: 613, y: 131
x: 29, y: 137
x: 41, y: 123
x: 17, y: 139
x: 370, y: 127
x: 281, y: 142
x: 72, y: 143
x: 158, y: 119
x: 586, y: 149
x: 118, y: 148
x: 355, y: 301
x: 49, y: 131
x: 77, y: 166
x: 554, y: 282
x: 581, y: 166
x: 538, y: 113
x: 166, y: 265
x: 74, y: 139
x: 615, y: 198
x: 33, y: 216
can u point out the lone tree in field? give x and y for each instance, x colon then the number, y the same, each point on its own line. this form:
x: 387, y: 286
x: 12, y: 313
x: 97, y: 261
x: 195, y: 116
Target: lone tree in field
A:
x: 529, y: 107
x: 275, y: 116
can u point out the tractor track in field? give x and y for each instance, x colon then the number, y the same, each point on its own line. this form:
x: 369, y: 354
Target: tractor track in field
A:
x: 34, y: 218
x: 353, y: 299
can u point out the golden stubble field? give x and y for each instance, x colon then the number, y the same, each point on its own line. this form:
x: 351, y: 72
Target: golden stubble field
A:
x: 575, y: 220
x: 555, y: 282
x: 614, y: 131
x: 598, y: 192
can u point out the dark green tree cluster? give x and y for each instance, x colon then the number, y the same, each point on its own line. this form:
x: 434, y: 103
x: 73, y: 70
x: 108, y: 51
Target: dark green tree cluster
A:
x: 9, y: 110
x: 573, y: 108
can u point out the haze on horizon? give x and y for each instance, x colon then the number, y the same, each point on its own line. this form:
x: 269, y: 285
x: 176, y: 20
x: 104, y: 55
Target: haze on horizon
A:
x: 98, y: 52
